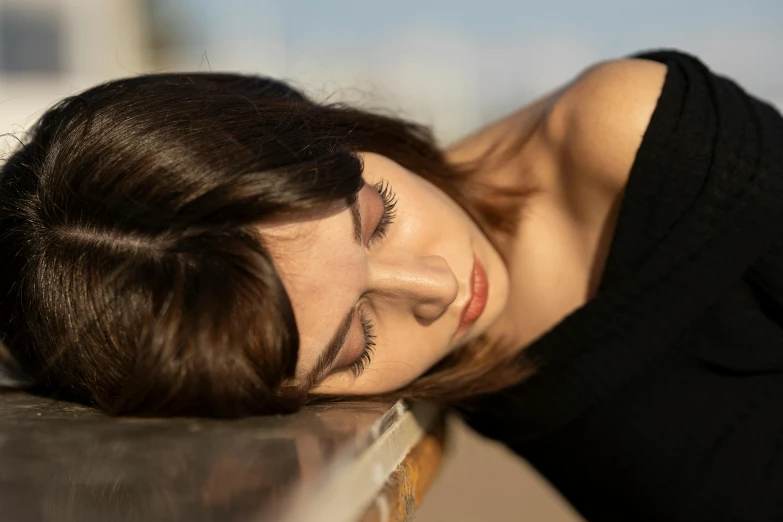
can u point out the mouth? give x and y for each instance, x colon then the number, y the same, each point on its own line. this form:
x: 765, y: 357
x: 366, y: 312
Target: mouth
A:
x: 479, y: 289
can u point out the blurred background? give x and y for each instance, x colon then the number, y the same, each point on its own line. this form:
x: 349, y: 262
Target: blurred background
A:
x: 453, y: 64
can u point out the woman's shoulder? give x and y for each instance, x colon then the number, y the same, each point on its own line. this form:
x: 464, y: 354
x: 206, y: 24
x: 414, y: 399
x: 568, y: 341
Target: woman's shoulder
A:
x: 589, y: 129
x: 592, y: 126
x: 598, y: 122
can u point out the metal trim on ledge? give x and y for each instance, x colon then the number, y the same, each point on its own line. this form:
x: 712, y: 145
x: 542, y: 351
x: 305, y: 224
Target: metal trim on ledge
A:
x: 354, y: 483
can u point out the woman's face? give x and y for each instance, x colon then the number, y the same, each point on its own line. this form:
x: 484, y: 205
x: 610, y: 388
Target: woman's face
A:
x: 408, y: 282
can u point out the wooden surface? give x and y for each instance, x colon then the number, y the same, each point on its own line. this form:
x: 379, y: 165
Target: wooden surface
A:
x: 62, y: 461
x: 406, y: 487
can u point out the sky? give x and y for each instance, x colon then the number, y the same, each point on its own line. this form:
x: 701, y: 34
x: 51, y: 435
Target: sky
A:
x: 453, y: 64
x: 456, y: 63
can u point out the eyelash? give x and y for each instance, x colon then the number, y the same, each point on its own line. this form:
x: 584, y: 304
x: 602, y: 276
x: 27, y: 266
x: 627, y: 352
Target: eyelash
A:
x: 369, y: 346
x: 389, y: 213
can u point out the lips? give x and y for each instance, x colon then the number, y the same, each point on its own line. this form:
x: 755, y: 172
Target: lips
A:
x: 479, y: 289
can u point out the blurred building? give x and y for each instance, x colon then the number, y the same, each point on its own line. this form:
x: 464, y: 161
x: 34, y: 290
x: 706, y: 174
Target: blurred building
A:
x: 50, y: 49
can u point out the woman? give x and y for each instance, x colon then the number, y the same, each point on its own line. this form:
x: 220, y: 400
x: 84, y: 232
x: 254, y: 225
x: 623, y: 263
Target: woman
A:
x: 596, y: 279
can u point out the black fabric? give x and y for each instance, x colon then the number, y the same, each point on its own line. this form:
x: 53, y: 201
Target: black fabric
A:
x: 661, y: 399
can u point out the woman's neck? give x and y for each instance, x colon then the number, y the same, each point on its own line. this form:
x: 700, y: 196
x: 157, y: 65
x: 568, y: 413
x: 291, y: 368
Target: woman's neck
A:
x: 556, y: 256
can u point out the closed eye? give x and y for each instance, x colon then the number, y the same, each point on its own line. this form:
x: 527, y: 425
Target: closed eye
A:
x: 389, y: 211
x: 365, y: 358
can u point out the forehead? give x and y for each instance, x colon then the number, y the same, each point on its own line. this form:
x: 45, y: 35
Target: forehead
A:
x: 315, y: 241
x: 323, y: 271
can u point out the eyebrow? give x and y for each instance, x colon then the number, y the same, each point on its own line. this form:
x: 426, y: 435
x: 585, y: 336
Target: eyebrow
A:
x: 332, y: 350
x: 356, y: 217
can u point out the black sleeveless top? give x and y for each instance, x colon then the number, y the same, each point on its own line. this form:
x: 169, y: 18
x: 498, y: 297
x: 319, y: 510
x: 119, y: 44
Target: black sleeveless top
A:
x: 661, y: 399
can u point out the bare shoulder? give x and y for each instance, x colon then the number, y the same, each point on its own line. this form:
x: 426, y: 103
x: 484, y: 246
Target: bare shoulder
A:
x: 598, y: 123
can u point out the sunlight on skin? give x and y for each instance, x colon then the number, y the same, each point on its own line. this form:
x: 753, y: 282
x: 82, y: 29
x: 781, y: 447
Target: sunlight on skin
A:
x: 412, y: 284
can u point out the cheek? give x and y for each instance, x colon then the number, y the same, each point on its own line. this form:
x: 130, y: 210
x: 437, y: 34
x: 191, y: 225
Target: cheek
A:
x: 432, y: 208
x: 404, y: 344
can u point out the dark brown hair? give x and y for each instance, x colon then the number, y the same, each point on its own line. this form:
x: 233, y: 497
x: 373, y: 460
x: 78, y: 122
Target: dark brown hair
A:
x: 132, y: 274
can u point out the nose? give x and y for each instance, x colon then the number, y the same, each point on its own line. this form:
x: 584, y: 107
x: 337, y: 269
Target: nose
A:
x: 425, y: 284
